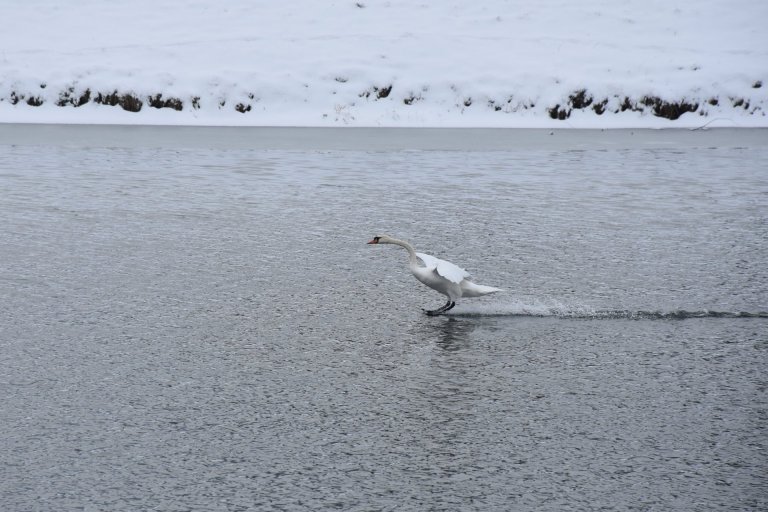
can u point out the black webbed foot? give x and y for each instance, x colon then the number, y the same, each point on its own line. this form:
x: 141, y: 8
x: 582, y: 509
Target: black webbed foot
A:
x: 439, y: 311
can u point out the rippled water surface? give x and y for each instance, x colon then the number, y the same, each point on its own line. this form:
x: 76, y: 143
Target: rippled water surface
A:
x: 206, y: 329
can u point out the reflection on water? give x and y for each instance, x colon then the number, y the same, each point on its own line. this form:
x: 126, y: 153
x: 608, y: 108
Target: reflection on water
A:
x: 207, y: 329
x: 449, y: 334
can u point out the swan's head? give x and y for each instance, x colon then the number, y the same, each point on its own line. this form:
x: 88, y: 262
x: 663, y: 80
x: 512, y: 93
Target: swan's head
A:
x: 381, y: 239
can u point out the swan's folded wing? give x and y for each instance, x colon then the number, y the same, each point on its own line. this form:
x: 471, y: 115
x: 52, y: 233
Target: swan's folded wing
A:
x: 444, y: 268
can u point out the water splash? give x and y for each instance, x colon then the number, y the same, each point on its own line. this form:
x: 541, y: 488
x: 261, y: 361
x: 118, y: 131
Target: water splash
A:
x: 557, y: 309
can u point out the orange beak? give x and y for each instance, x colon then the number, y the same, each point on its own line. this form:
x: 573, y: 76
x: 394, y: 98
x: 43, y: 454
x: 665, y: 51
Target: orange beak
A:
x: 374, y: 241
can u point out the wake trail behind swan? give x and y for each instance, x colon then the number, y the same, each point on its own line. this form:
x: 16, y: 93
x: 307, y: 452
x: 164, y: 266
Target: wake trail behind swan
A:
x: 556, y: 309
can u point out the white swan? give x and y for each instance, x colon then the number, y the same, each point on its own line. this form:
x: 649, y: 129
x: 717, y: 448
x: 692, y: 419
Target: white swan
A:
x: 443, y: 276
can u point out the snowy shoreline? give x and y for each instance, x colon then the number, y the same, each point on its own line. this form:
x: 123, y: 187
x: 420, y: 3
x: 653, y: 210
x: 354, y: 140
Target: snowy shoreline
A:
x: 647, y: 111
x: 553, y: 64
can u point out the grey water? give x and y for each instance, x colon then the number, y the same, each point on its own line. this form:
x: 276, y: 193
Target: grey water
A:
x: 203, y: 327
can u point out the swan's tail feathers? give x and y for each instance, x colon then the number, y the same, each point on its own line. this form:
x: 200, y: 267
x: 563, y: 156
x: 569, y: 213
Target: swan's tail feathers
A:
x: 470, y: 289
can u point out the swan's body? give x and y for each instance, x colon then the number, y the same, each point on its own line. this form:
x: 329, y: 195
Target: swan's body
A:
x: 443, y: 276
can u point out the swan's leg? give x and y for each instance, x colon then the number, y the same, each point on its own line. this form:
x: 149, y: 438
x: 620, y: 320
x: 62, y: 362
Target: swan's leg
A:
x: 439, y: 311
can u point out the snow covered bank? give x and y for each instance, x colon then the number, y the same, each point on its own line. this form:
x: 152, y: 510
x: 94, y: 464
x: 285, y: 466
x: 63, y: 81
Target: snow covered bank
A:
x: 556, y: 63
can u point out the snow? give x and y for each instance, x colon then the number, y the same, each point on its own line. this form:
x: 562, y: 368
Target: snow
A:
x: 495, y: 63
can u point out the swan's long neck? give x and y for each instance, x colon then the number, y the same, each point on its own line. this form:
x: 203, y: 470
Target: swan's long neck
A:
x: 412, y: 259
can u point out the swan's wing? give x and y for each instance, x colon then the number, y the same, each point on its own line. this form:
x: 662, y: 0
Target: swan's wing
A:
x: 451, y: 272
x: 429, y: 261
x: 444, y: 268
